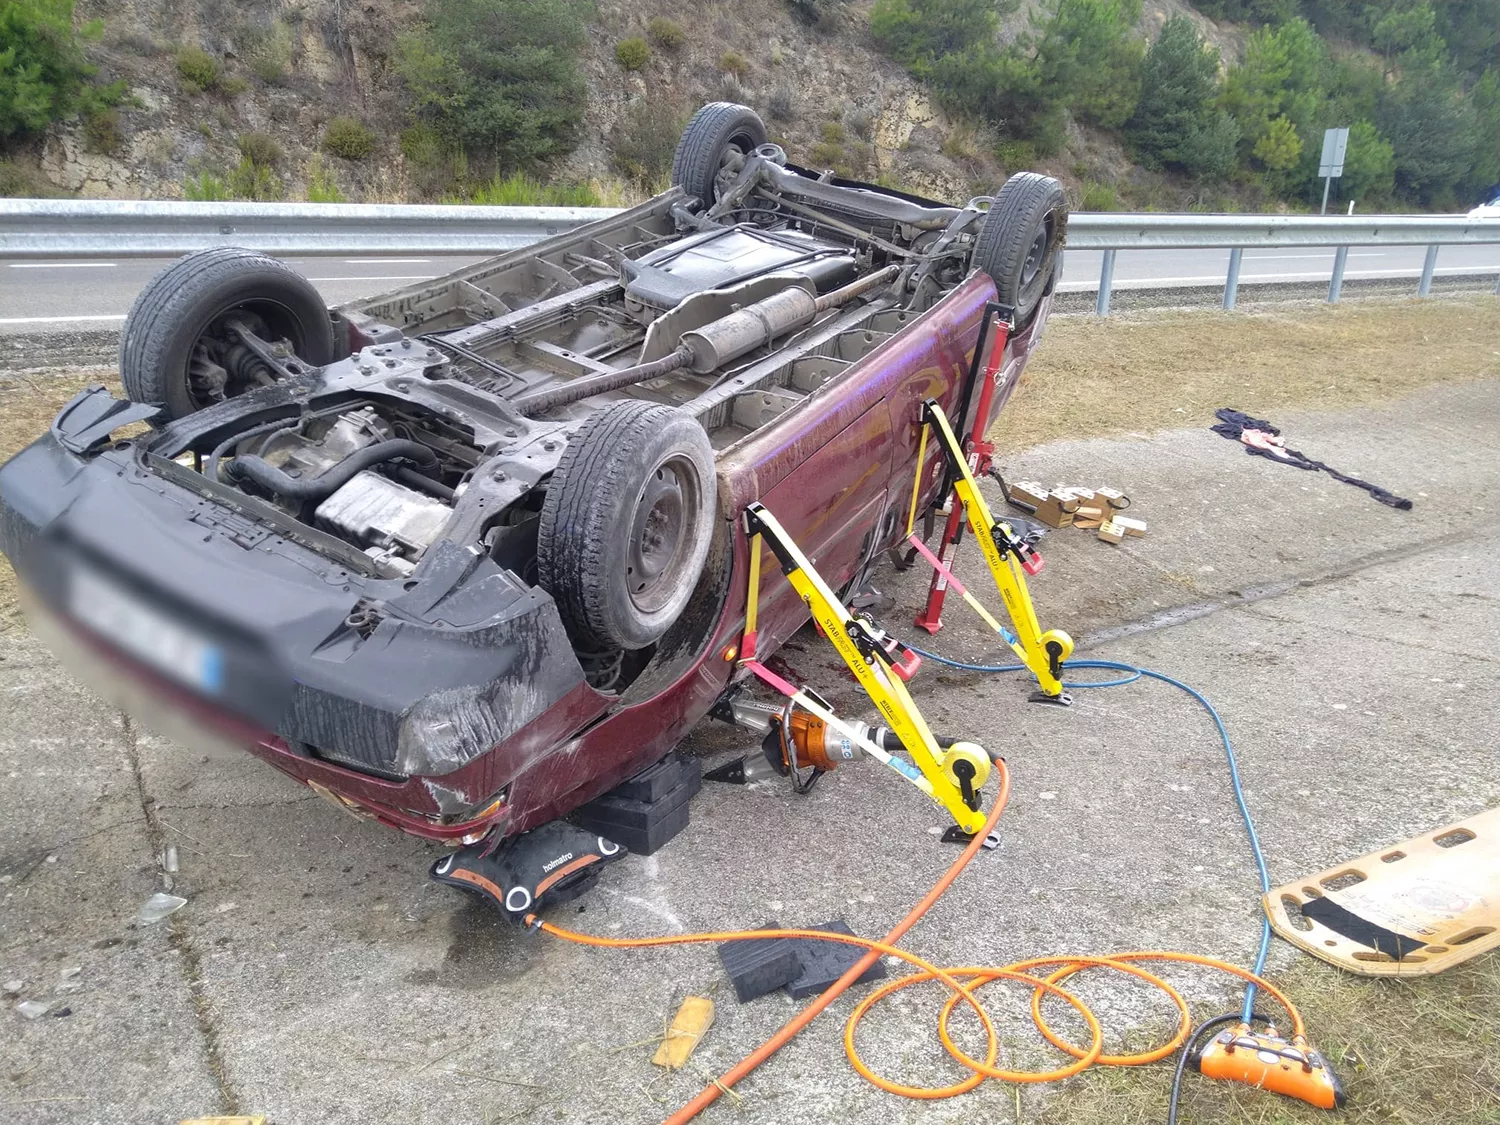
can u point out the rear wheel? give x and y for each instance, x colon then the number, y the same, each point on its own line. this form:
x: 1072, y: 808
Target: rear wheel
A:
x: 716, y: 141
x: 626, y: 524
x: 1018, y: 244
x: 180, y: 348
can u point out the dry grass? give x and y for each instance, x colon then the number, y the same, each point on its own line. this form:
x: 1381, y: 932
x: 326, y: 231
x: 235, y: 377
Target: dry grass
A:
x: 1153, y: 371
x: 1421, y: 1052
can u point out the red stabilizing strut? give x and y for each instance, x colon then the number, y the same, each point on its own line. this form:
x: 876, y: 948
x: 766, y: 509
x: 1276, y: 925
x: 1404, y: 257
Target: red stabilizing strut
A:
x: 931, y: 617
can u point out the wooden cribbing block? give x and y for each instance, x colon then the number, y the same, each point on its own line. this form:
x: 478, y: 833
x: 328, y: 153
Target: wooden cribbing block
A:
x: 694, y: 1018
x: 1111, y: 532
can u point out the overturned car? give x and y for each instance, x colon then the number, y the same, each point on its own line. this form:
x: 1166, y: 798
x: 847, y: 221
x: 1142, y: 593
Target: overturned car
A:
x: 467, y: 555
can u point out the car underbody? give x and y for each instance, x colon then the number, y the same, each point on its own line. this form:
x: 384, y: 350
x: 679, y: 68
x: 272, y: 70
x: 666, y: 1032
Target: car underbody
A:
x: 358, y: 559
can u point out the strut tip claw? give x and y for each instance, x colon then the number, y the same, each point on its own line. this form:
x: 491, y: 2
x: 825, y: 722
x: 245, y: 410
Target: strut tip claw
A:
x: 1061, y: 699
x: 956, y: 835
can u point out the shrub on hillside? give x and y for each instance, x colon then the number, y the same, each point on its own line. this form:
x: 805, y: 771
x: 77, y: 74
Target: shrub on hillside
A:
x: 348, y: 138
x: 322, y: 186
x: 521, y: 190
x: 811, y: 12
x: 101, y: 132
x: 16, y: 180
x: 666, y: 34
x: 632, y: 53
x: 256, y: 182
x: 205, y: 187
x: 1100, y: 197
x: 642, y: 144
x: 270, y: 52
x: 198, y: 69
x: 260, y: 149
x: 732, y: 62
x: 499, y: 78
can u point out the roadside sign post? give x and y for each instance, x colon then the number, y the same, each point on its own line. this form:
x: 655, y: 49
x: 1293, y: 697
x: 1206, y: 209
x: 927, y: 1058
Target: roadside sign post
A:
x: 1331, y: 163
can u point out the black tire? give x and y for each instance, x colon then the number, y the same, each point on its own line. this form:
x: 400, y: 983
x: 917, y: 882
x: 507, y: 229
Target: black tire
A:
x: 716, y: 134
x: 627, y: 523
x: 1020, y: 239
x: 180, y: 307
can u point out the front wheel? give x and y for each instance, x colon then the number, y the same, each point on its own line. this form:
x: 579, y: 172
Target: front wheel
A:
x: 626, y: 524
x: 180, y: 348
x: 1019, y: 243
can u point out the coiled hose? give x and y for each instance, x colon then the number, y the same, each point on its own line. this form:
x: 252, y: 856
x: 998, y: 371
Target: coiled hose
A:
x: 963, y: 982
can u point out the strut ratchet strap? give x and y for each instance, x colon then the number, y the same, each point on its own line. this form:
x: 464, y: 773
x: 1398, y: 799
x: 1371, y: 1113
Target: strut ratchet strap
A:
x: 916, y: 484
x: 951, y: 579
x: 752, y: 601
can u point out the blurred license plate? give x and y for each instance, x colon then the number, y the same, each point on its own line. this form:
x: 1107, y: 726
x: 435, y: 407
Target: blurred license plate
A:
x: 142, y: 631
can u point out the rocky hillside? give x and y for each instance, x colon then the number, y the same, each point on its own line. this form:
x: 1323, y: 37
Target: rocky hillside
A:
x: 205, y: 75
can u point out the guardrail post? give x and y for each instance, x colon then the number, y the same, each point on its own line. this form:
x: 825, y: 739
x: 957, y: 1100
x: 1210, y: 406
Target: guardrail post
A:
x: 1336, y: 282
x: 1232, y: 281
x: 1424, y: 287
x: 1106, y: 283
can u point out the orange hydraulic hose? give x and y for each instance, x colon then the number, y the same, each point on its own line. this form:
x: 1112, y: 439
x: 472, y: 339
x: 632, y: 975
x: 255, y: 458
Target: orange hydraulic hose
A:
x: 710, y: 1093
x: 961, y: 982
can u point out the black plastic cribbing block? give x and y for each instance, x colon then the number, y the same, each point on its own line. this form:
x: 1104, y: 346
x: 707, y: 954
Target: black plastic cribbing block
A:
x: 643, y: 824
x: 820, y: 963
x: 644, y: 836
x: 655, y: 782
x: 760, y: 966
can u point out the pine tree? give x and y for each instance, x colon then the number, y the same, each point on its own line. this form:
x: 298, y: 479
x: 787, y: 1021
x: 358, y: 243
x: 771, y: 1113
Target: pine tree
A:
x: 1176, y: 124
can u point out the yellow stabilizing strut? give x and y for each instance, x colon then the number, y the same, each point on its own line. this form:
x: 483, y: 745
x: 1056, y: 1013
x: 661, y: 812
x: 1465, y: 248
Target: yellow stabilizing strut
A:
x: 952, y: 777
x: 1009, y: 556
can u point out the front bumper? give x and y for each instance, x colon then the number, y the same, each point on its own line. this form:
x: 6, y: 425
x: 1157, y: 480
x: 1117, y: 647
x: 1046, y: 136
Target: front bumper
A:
x: 423, y: 707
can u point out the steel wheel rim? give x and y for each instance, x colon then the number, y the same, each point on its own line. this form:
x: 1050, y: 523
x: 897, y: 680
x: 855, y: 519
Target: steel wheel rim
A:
x: 1036, y: 254
x: 663, y: 528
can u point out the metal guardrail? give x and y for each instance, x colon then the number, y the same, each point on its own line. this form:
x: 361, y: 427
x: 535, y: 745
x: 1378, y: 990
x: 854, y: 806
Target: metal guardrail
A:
x: 116, y: 228
x: 64, y: 228
x: 1114, y: 232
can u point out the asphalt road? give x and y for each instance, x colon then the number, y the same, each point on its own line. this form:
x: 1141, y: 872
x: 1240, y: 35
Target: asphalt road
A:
x: 317, y: 976
x: 39, y: 295
x: 42, y: 295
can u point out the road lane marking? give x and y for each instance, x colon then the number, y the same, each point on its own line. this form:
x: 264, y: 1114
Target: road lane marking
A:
x: 1284, y: 257
x: 58, y: 319
x: 387, y: 261
x: 63, y: 265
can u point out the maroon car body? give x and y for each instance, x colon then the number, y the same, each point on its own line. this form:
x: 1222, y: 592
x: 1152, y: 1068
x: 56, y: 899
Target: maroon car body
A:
x: 819, y: 423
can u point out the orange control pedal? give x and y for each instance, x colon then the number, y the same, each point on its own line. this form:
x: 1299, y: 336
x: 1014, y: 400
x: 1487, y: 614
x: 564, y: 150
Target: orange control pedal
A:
x: 1272, y: 1063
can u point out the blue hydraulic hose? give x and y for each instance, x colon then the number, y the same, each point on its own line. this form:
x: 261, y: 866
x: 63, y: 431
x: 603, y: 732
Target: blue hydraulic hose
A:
x: 1132, y: 675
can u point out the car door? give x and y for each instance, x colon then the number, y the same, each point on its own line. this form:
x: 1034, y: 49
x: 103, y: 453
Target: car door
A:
x: 836, y: 470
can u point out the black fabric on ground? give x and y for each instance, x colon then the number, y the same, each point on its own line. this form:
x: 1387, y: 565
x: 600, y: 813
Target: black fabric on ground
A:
x: 1233, y: 424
